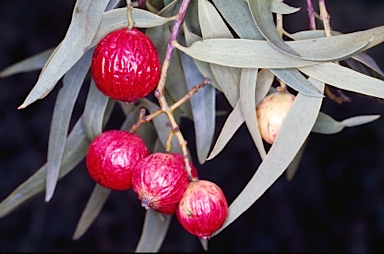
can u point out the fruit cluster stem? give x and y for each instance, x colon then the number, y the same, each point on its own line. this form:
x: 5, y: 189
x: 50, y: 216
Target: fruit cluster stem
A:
x: 129, y: 14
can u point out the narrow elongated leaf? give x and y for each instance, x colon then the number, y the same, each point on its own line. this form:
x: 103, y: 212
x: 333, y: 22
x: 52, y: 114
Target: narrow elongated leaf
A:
x: 85, y: 21
x: 238, y: 16
x: 117, y: 19
x: 295, y: 129
x: 213, y: 26
x: 346, y: 79
x: 94, y: 111
x: 32, y: 63
x: 94, y: 205
x: 248, y: 107
x: 264, y: 20
x: 292, y: 168
x: 359, y: 120
x: 154, y: 231
x: 62, y: 113
x: 203, y: 108
x: 260, y: 54
x: 369, y: 62
x: 75, y: 150
x: 241, y: 53
x: 325, y: 124
x: 204, y: 68
x: 263, y: 84
x: 294, y: 79
x: 277, y: 6
x: 231, y: 125
x: 261, y: 12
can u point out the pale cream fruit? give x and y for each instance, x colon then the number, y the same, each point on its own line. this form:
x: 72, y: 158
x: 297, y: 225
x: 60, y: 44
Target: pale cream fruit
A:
x: 271, y: 112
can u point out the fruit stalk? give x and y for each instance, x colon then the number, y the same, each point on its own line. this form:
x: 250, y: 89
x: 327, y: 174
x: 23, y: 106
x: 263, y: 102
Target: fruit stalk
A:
x: 129, y: 14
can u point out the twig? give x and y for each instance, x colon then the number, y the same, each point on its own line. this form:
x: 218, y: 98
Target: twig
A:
x: 311, y: 15
x: 325, y: 17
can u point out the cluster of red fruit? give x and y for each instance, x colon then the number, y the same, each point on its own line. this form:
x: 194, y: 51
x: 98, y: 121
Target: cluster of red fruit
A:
x: 125, y: 67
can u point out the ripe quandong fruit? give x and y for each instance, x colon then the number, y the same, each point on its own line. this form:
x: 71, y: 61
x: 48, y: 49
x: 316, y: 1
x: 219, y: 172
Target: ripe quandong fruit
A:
x: 271, y: 112
x: 160, y: 181
x: 112, y: 157
x: 126, y: 65
x: 203, y: 208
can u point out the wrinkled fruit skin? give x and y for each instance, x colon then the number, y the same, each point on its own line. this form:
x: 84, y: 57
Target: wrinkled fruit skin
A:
x: 271, y: 112
x: 160, y: 181
x: 112, y: 157
x: 203, y: 208
x: 126, y: 65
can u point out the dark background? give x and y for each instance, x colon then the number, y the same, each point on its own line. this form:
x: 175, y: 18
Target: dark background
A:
x: 335, y: 203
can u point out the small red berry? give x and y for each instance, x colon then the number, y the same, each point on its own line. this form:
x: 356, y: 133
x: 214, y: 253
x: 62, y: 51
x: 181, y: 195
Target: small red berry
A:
x: 203, y: 208
x: 112, y: 157
x: 160, y: 181
x: 271, y: 112
x: 126, y: 65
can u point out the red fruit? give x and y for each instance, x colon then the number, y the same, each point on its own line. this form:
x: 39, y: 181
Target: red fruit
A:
x: 126, y: 65
x: 203, y: 208
x: 112, y: 157
x: 271, y: 113
x: 160, y: 181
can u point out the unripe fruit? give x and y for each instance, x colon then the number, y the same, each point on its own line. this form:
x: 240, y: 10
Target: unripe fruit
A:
x: 271, y: 112
x: 160, y: 181
x: 126, y: 65
x: 203, y: 208
x: 112, y: 157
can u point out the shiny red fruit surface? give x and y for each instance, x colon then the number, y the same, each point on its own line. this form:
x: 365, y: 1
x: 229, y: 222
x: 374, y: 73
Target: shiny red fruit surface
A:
x: 112, y: 157
x: 203, y: 208
x: 126, y: 65
x: 160, y: 181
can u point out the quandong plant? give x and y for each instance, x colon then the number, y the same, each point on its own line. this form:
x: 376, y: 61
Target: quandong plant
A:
x: 234, y: 47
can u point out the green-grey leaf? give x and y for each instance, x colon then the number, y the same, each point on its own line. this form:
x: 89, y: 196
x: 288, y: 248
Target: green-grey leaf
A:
x: 94, y: 109
x: 154, y: 231
x: 325, y: 124
x: 75, y: 150
x: 231, y: 125
x: 277, y: 6
x: 261, y: 12
x: 294, y: 79
x: 369, y: 62
x: 295, y: 129
x: 32, y: 63
x: 292, y: 168
x: 346, y: 79
x: 94, y: 205
x: 248, y: 106
x: 260, y: 54
x: 213, y: 26
x: 238, y: 16
x: 359, y: 120
x: 85, y: 21
x: 241, y: 53
x: 263, y: 84
x: 203, y: 108
x: 117, y: 19
x: 61, y: 117
x: 204, y: 68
